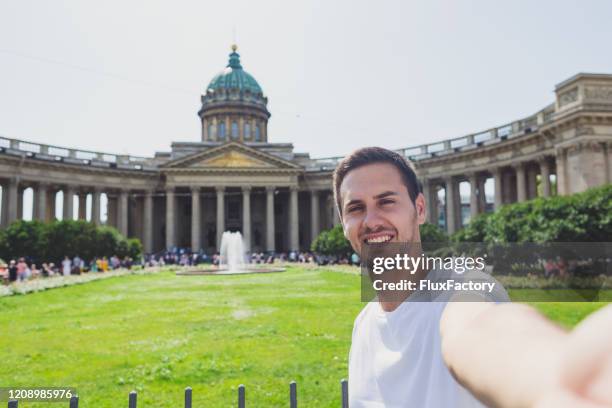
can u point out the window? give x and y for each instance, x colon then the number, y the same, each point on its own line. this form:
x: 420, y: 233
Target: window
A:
x: 257, y: 133
x: 247, y: 130
x: 235, y: 135
x: 221, y: 131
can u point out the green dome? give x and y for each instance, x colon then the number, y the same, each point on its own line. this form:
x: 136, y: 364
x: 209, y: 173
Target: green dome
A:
x: 234, y: 77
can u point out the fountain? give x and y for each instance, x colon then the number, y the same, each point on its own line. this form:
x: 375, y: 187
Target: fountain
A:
x: 232, y: 259
x: 232, y: 251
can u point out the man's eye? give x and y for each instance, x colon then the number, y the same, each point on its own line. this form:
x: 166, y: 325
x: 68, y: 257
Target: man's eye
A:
x: 353, y: 209
x: 385, y: 202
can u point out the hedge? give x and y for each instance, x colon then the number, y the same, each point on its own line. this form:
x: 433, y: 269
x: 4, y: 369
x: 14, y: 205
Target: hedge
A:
x: 50, y: 242
x: 582, y: 217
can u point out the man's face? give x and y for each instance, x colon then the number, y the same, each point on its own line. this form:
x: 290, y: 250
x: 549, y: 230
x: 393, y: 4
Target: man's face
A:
x: 376, y: 207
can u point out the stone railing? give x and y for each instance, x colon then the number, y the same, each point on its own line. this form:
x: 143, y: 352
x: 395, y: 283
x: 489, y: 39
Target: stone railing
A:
x: 73, y: 156
x: 514, y: 129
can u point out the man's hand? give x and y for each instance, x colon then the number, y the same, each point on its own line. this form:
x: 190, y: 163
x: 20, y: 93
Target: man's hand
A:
x: 509, y: 355
x: 585, y: 375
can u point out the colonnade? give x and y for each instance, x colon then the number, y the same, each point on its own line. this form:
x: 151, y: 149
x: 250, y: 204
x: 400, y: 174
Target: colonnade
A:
x: 220, y: 192
x: 44, y: 203
x: 151, y: 222
x: 512, y: 183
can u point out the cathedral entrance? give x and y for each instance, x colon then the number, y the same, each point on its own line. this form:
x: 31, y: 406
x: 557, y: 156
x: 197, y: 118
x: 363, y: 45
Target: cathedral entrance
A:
x: 233, y: 212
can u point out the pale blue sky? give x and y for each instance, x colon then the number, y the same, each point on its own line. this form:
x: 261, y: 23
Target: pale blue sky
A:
x: 126, y: 76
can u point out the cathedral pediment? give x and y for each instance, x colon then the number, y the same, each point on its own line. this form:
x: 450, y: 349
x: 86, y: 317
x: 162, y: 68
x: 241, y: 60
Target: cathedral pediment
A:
x: 230, y: 156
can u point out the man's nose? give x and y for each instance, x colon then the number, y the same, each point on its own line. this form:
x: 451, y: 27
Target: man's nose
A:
x: 373, y: 220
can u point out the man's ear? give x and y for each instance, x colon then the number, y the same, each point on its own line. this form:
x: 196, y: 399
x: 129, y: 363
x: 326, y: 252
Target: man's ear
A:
x: 421, y: 208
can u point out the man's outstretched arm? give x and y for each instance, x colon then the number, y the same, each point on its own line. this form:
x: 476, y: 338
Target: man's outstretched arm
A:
x: 509, y: 355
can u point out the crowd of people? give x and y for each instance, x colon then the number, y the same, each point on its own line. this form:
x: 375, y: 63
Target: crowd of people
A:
x: 185, y: 257
x: 23, y: 269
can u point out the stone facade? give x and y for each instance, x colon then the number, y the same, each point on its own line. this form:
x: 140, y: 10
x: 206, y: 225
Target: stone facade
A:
x: 279, y: 199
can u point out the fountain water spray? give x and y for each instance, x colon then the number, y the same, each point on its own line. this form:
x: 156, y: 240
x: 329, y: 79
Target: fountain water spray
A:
x: 232, y: 251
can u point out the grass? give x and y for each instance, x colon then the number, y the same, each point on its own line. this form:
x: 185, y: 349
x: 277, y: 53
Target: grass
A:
x: 159, y: 333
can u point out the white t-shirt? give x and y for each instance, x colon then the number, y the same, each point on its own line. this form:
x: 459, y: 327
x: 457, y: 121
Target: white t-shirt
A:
x: 396, y: 360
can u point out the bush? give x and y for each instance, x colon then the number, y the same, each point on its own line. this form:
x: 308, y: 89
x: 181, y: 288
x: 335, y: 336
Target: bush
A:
x: 332, y: 242
x: 432, y: 233
x: 582, y: 217
x: 50, y: 242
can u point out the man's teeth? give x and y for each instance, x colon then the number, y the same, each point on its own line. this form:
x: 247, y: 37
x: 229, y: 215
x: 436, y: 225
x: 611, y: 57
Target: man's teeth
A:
x: 383, y: 238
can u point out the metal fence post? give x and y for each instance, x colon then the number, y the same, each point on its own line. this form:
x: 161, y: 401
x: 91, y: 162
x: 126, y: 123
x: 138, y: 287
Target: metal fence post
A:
x: 132, y: 399
x: 241, y: 396
x: 74, y: 402
x: 292, y: 394
x: 188, y: 397
x: 344, y: 386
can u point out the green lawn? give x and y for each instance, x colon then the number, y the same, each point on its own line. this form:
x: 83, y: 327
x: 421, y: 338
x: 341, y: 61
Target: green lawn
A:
x: 160, y: 333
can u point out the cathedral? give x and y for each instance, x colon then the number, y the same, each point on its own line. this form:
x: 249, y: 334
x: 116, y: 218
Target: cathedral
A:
x: 234, y: 179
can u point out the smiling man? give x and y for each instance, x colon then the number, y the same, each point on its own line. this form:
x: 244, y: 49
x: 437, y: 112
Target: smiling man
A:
x: 401, y: 350
x: 395, y: 358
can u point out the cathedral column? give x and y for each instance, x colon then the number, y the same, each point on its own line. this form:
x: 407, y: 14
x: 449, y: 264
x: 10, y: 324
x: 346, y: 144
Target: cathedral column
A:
x: 41, y: 202
x: 270, y: 244
x: 3, y: 213
x: 123, y: 213
x: 482, y: 196
x: 220, y: 214
x: 473, y: 196
x: 561, y: 158
x: 148, y: 223
x: 111, y: 210
x: 170, y: 219
x: 68, y: 203
x: 95, y: 206
x: 545, y: 176
x: 246, y: 217
x: 315, y: 221
x: 82, y: 206
x: 294, y: 223
x: 50, y: 212
x: 497, y: 181
x: 12, y: 200
x: 521, y: 188
x: 196, y: 222
x: 451, y: 217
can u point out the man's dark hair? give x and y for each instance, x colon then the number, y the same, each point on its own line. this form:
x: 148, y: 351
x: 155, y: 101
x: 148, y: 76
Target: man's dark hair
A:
x: 370, y: 155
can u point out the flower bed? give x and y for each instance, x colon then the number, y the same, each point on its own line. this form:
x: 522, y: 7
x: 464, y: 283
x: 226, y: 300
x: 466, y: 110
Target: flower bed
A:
x: 37, y: 285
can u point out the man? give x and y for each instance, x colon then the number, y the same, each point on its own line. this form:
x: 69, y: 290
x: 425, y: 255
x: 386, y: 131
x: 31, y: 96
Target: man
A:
x: 508, y: 355
x: 395, y: 358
